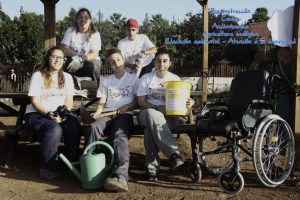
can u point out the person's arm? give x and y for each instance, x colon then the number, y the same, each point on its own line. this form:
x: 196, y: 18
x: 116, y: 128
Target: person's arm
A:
x: 90, y: 56
x: 149, y: 51
x: 69, y: 52
x: 37, y: 104
x: 142, y: 100
x: 69, y: 102
x: 100, y: 107
x: 131, y: 106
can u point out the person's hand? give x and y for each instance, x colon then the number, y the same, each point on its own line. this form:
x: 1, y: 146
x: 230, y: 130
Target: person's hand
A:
x: 142, y: 54
x: 54, y: 117
x: 75, y: 64
x: 135, y: 67
x: 95, y: 114
x: 122, y: 110
x: 189, y: 103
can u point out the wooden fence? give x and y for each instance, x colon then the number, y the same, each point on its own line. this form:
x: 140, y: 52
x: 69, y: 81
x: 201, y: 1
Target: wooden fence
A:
x: 20, y: 83
x: 219, y: 71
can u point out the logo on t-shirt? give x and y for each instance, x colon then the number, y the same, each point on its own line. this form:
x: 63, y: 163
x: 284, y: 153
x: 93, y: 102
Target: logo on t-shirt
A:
x: 121, y: 92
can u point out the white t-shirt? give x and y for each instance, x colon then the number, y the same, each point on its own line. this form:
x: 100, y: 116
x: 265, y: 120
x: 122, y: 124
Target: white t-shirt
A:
x: 118, y: 92
x: 152, y: 86
x: 52, y: 97
x: 80, y: 43
x: 131, y: 49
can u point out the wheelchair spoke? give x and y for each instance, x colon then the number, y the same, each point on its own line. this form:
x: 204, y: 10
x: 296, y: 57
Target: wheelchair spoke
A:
x: 273, y: 151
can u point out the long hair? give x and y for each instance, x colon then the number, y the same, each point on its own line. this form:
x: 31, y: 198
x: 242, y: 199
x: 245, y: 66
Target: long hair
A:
x: 91, y: 30
x: 45, y: 69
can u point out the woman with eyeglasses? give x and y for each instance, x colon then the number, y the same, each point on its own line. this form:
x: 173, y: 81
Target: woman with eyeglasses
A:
x: 48, y: 118
x: 82, y: 43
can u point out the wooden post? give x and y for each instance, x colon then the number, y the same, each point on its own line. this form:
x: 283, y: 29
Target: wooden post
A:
x: 49, y: 23
x: 205, y: 53
x: 296, y: 102
x: 204, y: 5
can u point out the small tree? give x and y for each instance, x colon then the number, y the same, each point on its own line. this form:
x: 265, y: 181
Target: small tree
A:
x: 260, y: 15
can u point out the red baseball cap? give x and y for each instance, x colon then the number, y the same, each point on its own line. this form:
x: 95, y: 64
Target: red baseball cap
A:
x: 132, y: 23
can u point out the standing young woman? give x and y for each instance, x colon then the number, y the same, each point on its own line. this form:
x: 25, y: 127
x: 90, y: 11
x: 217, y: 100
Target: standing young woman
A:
x: 50, y: 88
x: 82, y: 43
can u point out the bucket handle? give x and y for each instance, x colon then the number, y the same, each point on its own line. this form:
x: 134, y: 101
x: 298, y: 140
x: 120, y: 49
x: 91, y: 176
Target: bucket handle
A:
x: 104, y: 144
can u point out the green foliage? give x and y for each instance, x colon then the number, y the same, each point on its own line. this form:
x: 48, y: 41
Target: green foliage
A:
x: 63, y: 25
x: 26, y: 43
x: 7, y: 44
x: 296, y: 89
x: 21, y: 39
x: 260, y: 15
x: 30, y: 38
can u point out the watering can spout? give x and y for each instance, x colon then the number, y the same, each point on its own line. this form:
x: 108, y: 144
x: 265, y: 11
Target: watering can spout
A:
x: 70, y: 166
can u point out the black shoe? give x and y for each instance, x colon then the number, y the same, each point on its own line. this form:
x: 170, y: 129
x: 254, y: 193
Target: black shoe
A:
x: 175, y: 161
x: 49, y: 175
x: 152, y: 177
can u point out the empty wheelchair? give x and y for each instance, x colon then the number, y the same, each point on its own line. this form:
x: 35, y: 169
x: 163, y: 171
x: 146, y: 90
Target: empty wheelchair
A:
x: 244, y: 129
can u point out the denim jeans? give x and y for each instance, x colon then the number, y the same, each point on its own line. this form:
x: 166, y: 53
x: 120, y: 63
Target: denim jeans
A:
x: 120, y: 129
x: 49, y: 134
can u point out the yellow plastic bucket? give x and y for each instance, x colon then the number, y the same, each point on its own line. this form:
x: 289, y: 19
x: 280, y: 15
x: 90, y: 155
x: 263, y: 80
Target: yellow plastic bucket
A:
x: 176, y: 94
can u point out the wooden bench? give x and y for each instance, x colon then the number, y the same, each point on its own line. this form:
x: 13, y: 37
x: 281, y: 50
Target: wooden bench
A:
x: 17, y: 132
x: 187, y: 124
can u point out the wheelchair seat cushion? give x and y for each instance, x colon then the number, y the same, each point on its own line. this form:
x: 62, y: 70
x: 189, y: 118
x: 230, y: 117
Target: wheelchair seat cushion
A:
x: 213, y: 128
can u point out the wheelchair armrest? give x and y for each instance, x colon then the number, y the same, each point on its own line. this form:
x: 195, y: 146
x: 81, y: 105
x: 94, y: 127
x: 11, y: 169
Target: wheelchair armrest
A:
x: 259, y: 103
x: 255, y: 112
x: 213, y: 110
x: 215, y: 103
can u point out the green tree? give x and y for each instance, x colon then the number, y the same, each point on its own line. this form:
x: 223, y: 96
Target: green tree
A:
x: 7, y: 44
x: 160, y: 29
x: 29, y: 38
x: 64, y: 24
x: 260, y: 15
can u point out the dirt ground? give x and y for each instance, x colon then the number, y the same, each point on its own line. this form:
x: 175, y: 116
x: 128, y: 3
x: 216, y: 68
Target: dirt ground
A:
x: 23, y: 182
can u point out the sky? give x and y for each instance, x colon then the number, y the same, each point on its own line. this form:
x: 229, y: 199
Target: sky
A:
x: 170, y: 9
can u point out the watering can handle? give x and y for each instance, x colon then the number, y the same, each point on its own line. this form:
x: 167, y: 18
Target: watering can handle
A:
x: 104, y: 144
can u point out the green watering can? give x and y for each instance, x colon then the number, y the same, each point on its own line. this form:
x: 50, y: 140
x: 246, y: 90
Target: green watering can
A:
x: 93, y: 167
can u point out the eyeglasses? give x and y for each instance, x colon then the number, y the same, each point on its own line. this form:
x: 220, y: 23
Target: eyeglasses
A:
x: 56, y: 57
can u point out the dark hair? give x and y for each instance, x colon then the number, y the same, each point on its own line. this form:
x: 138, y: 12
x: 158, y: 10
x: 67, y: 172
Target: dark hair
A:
x: 164, y: 50
x: 110, y: 52
x: 91, y: 28
x: 45, y: 69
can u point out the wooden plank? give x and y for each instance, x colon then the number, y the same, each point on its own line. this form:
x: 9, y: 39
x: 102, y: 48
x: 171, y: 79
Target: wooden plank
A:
x: 296, y: 106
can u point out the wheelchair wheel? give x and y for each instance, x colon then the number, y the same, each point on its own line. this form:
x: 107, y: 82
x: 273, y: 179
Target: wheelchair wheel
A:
x: 215, y: 154
x: 273, y: 151
x: 195, y: 171
x: 231, y: 182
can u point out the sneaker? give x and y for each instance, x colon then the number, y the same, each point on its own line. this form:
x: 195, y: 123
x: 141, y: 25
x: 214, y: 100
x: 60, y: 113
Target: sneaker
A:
x: 175, y: 161
x: 48, y: 175
x: 152, y: 177
x: 116, y: 183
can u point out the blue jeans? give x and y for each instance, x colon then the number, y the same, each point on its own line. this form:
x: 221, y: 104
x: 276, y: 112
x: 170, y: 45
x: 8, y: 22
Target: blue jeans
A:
x: 120, y: 129
x: 49, y: 134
